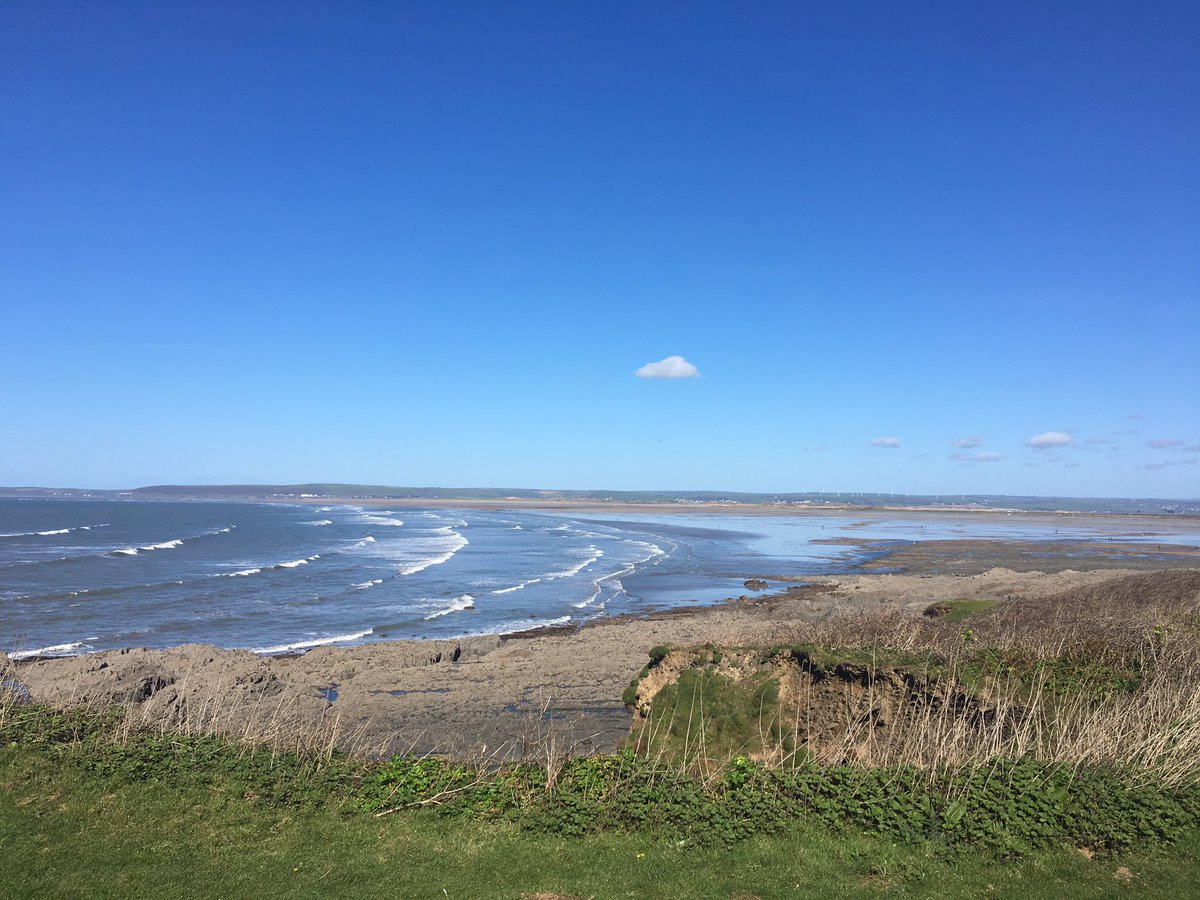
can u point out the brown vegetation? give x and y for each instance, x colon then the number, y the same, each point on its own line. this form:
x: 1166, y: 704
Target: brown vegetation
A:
x: 1103, y: 675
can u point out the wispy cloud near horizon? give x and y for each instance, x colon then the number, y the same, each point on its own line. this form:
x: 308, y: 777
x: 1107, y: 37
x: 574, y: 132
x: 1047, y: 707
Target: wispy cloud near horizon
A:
x: 968, y: 443
x: 887, y: 442
x: 976, y: 457
x: 671, y: 367
x: 1168, y: 463
x: 1048, y: 440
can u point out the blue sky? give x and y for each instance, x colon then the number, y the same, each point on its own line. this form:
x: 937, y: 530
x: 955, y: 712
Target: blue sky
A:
x: 431, y: 244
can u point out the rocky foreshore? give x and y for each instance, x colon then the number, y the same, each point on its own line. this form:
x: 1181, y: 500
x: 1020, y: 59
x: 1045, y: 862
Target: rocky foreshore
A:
x: 487, y: 695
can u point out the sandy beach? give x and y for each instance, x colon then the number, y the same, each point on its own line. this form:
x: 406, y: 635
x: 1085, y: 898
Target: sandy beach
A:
x: 499, y: 694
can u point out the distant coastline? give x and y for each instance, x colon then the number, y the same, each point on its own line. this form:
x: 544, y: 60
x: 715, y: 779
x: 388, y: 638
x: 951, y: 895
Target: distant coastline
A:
x: 737, y: 503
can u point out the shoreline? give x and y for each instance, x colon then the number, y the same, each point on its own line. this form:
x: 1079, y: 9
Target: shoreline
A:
x: 924, y: 559
x: 499, y: 692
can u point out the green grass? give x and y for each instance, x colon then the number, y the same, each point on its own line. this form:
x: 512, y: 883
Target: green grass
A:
x: 729, y: 714
x: 69, y: 832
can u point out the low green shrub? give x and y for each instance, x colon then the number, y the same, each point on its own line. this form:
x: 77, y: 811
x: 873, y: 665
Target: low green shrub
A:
x: 1008, y: 807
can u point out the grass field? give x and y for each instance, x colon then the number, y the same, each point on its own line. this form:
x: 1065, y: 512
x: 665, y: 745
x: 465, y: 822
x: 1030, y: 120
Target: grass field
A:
x: 65, y: 832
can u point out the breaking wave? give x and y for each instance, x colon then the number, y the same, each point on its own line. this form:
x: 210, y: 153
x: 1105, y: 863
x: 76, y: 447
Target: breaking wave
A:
x: 171, y: 544
x: 380, y: 520
x: 53, y: 531
x: 524, y: 625
x: 315, y: 642
x: 165, y: 545
x: 293, y: 564
x: 460, y: 603
x: 517, y: 587
x: 297, y: 562
x: 442, y: 547
x: 69, y: 649
x: 594, y: 554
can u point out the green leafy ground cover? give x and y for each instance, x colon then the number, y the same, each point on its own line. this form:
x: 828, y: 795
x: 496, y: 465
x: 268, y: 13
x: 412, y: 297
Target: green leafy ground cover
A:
x: 69, y: 830
x: 162, y: 815
x: 1008, y: 807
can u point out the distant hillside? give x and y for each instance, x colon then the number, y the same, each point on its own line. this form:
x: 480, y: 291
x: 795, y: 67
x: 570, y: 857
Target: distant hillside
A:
x: 331, y: 491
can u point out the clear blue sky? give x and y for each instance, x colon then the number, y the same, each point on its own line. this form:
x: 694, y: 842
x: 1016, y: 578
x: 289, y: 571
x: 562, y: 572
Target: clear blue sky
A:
x: 431, y: 243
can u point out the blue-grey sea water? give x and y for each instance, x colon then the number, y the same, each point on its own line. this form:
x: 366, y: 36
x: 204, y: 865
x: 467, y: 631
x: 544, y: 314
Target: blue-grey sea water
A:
x: 78, y: 575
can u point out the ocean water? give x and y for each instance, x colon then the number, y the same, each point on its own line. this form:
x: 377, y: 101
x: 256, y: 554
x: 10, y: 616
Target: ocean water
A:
x: 78, y: 576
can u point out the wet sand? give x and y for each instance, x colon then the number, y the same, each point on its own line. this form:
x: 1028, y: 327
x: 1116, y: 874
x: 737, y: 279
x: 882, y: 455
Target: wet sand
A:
x: 507, y: 694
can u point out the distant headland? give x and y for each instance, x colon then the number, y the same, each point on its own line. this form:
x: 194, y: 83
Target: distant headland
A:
x: 618, y: 500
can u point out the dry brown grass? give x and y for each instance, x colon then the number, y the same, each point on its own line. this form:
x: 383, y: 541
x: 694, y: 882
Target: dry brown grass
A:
x: 1108, y: 675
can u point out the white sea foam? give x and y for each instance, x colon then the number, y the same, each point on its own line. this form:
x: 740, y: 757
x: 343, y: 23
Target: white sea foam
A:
x: 517, y: 587
x: 165, y: 545
x: 293, y: 564
x: 366, y: 584
x: 320, y: 522
x: 52, y: 650
x: 594, y: 554
x: 296, y: 562
x: 628, y: 570
x: 172, y: 544
x: 442, y: 548
x: 524, y: 625
x: 381, y: 520
x: 358, y: 545
x: 315, y: 642
x: 584, y: 604
x: 18, y: 534
x: 655, y: 550
x: 460, y: 603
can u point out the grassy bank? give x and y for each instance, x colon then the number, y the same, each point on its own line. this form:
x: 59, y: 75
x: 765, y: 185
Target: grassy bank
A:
x: 66, y: 831
x: 1006, y: 807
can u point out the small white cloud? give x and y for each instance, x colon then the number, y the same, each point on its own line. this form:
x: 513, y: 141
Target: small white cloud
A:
x: 976, y: 457
x: 671, y: 367
x: 1192, y: 448
x: 1164, y: 443
x: 1136, y: 417
x: 968, y: 443
x: 1049, y: 440
x: 890, y: 443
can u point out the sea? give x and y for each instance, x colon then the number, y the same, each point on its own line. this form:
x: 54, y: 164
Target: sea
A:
x: 78, y: 576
